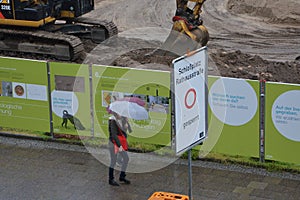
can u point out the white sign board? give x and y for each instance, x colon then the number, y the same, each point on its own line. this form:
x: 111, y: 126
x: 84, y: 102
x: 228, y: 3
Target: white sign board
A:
x: 190, y: 99
x: 233, y: 101
x: 285, y: 114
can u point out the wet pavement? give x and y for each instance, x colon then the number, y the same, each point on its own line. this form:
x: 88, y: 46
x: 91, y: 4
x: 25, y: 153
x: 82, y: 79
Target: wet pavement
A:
x: 31, y: 169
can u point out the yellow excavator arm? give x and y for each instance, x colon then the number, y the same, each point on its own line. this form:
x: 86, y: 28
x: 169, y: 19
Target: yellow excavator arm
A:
x: 187, y: 20
x: 197, y: 8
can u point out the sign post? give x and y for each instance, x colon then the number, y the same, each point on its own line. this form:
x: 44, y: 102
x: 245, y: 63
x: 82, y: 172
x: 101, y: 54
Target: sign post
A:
x: 189, y: 100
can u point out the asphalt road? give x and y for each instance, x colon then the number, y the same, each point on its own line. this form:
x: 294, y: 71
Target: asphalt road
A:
x: 32, y: 169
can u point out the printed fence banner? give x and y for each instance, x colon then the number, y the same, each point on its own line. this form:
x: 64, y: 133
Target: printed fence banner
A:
x: 70, y: 98
x: 150, y: 89
x: 233, y: 127
x: 24, y: 94
x: 282, y: 135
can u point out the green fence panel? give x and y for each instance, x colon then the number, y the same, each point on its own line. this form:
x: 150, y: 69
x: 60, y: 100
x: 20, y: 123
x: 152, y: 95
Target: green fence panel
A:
x: 24, y: 94
x: 153, y: 87
x: 282, y: 135
x: 233, y: 126
x: 70, y: 98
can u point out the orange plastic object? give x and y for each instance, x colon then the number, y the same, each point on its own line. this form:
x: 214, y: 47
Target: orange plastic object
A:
x: 167, y: 196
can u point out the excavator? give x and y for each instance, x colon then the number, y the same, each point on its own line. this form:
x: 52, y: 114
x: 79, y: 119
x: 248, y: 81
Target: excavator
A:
x: 50, y: 27
x: 188, y: 32
x: 57, y: 27
x: 189, y: 22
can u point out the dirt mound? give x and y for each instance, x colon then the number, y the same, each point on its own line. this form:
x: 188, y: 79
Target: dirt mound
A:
x: 233, y: 64
x: 239, y: 65
x: 287, y: 11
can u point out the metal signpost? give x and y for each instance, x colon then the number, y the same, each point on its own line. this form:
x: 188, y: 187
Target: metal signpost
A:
x: 189, y: 100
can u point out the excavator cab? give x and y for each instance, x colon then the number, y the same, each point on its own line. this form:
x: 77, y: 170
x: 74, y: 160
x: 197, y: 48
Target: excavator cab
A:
x: 75, y: 8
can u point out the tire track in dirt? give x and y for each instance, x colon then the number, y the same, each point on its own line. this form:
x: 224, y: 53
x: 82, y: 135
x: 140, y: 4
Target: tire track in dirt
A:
x: 130, y: 14
x: 276, y: 42
x: 236, y: 40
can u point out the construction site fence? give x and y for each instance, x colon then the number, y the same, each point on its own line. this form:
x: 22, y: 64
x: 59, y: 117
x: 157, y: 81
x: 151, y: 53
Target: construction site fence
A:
x: 245, y: 117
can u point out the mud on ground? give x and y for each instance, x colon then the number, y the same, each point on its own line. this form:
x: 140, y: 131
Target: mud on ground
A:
x: 249, y: 39
x: 226, y: 63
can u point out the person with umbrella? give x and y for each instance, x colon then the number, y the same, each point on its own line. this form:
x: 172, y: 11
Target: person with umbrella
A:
x: 122, y: 109
x: 118, y: 126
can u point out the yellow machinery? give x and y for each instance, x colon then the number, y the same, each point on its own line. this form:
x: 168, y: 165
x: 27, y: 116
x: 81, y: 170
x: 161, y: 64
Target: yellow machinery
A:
x: 188, y: 32
x: 19, y: 20
x: 30, y: 26
x: 188, y: 21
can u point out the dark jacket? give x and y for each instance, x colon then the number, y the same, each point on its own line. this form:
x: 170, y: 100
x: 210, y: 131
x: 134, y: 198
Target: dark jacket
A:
x: 114, y: 131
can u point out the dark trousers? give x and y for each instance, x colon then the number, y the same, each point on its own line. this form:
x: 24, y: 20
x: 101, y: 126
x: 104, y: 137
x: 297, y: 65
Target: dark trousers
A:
x: 113, y: 160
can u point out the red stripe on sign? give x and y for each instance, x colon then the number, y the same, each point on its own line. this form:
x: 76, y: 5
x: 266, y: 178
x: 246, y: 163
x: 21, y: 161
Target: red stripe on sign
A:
x: 1, y: 16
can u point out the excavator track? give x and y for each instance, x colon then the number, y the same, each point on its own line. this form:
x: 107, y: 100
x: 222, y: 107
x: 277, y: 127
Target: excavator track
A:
x: 100, y: 29
x: 57, y: 45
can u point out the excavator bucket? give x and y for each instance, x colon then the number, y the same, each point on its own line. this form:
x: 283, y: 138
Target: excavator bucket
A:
x: 179, y: 43
x: 188, y: 32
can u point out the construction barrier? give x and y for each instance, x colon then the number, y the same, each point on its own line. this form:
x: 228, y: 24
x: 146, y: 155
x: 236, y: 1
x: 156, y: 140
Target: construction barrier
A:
x: 282, y: 122
x: 71, y: 99
x: 24, y: 97
x: 167, y: 196
x: 233, y: 117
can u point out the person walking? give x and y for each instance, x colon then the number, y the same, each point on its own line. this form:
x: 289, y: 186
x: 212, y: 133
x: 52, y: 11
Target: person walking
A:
x: 118, y: 126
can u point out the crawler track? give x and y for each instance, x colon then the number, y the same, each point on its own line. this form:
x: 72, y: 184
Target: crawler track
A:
x: 57, y: 45
x: 109, y: 27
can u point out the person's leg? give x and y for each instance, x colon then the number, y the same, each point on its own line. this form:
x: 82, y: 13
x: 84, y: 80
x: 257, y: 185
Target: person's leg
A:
x: 113, y: 159
x: 125, y: 158
x: 119, y: 160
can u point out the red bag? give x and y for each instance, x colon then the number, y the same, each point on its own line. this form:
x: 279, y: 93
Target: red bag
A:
x: 123, y: 142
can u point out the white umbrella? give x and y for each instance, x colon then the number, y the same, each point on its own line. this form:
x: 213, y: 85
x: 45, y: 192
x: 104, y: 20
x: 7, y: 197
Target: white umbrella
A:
x: 129, y: 109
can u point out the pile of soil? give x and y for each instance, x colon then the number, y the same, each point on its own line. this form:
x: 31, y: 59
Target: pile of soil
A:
x: 233, y: 64
x: 239, y: 65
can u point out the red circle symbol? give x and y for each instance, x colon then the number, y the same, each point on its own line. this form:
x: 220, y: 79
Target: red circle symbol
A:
x: 193, y: 91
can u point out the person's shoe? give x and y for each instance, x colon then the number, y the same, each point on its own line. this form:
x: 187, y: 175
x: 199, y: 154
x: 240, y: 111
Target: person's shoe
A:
x: 124, y: 180
x: 113, y: 183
